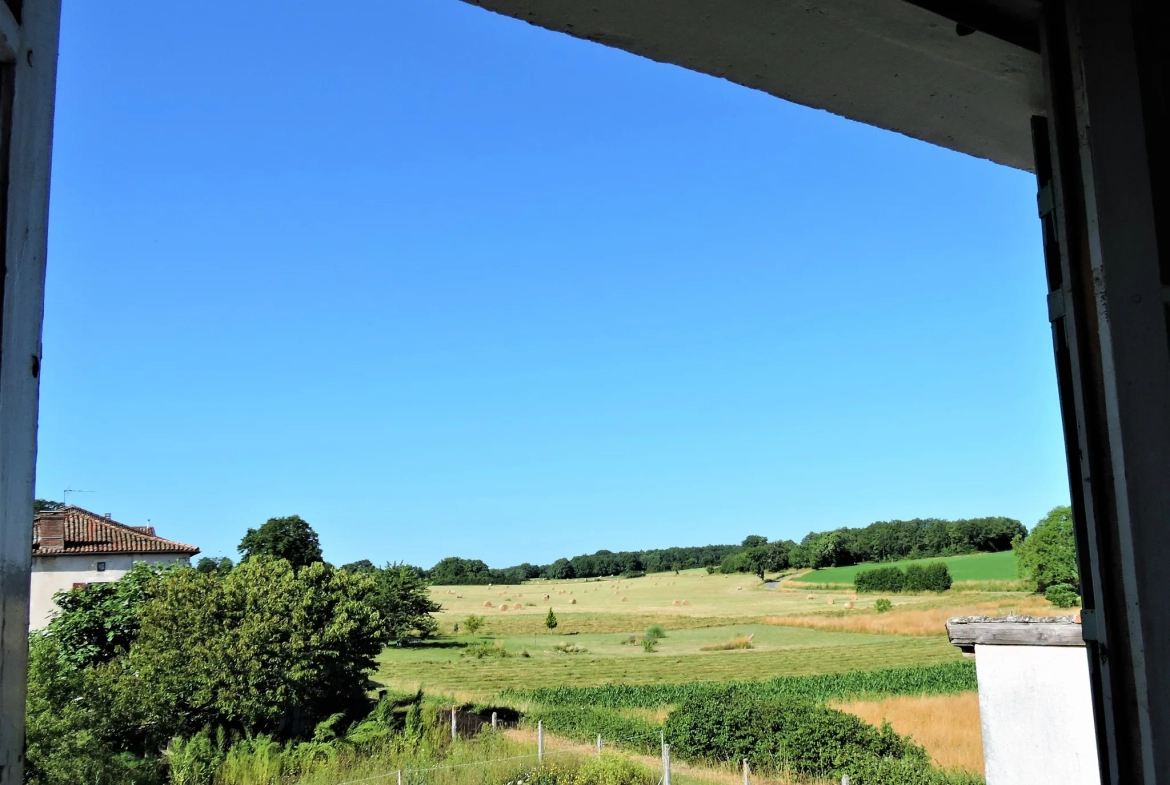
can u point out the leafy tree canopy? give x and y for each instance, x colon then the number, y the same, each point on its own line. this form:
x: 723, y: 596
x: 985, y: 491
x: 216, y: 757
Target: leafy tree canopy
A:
x: 1048, y: 554
x: 402, y: 598
x: 45, y: 505
x: 291, y: 539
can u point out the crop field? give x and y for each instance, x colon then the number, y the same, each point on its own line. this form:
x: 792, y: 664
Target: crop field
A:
x: 972, y: 567
x: 592, y: 673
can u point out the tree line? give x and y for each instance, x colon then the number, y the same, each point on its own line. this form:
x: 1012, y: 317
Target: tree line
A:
x: 880, y: 541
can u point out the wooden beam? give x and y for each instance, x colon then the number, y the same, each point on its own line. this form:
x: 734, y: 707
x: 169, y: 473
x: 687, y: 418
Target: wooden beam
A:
x: 984, y: 631
x: 33, y: 76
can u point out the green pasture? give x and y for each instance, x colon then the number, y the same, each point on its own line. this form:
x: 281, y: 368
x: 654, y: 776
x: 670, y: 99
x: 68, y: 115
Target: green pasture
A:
x: 973, y: 567
x: 783, y: 651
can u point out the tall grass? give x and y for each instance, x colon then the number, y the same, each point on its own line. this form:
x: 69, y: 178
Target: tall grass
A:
x: 947, y: 726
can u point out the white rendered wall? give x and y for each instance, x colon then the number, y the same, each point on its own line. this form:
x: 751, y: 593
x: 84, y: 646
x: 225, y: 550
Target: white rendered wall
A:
x: 51, y: 574
x: 1037, y: 715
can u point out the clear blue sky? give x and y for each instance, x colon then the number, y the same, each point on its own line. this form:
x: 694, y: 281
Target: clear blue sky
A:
x: 443, y: 283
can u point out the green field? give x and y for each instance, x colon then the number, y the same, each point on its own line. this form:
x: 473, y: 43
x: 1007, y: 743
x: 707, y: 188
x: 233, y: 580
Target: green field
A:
x: 973, y: 567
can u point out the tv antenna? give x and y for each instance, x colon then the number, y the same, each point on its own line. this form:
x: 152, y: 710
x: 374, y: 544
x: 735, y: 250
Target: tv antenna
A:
x: 67, y: 491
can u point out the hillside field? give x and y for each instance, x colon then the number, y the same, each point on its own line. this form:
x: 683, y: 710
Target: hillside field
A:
x: 972, y: 567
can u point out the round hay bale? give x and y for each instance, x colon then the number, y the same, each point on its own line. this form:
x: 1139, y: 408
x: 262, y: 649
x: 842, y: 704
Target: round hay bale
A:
x: 686, y: 602
x: 623, y: 599
x: 676, y: 603
x: 739, y: 588
x: 545, y: 597
x: 831, y: 600
x: 487, y: 604
x: 849, y: 605
x: 573, y: 601
x: 459, y: 596
x: 504, y: 607
x: 517, y: 607
x: 812, y: 596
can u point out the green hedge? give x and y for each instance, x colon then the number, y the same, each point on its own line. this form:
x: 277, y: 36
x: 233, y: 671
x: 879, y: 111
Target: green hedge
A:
x: 915, y: 578
x: 584, y: 723
x: 795, y: 736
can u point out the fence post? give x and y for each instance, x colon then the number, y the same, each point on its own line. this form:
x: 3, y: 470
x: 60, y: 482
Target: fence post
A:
x: 845, y: 780
x: 453, y: 723
x: 745, y: 772
x: 400, y: 777
x: 599, y: 745
x: 665, y: 764
x: 540, y: 741
x: 493, y: 720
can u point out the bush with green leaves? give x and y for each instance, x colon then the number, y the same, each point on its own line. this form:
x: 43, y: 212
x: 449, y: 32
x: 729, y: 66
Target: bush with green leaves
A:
x: 804, y: 737
x: 934, y: 576
x: 550, y: 620
x: 883, y: 605
x: 656, y: 631
x: 473, y: 623
x: 649, y: 645
x: 1062, y: 595
x: 884, y: 579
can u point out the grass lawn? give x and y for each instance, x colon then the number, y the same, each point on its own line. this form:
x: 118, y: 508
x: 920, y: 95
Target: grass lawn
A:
x: 973, y: 567
x: 782, y: 651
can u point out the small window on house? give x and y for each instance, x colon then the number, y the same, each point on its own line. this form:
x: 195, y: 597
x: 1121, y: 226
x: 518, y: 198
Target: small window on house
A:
x: 80, y: 585
x: 101, y: 566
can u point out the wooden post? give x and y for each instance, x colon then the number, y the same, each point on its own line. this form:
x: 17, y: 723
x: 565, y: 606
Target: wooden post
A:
x: 540, y: 741
x: 453, y: 733
x: 599, y: 745
x: 665, y: 764
x: 745, y: 771
x: 400, y: 777
x: 493, y: 720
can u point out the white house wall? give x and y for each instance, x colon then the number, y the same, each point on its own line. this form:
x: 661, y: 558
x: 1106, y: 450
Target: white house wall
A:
x: 1036, y: 712
x: 51, y: 574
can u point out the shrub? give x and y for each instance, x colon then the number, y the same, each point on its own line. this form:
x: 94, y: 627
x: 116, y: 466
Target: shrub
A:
x: 916, y: 578
x: 614, y: 770
x: 482, y: 649
x: 550, y: 620
x: 738, y: 642
x: 886, y: 579
x: 1062, y: 595
x: 649, y: 645
x: 473, y: 624
x: 929, y: 577
x: 801, y: 736
x: 883, y: 605
x: 584, y: 723
x: 656, y: 631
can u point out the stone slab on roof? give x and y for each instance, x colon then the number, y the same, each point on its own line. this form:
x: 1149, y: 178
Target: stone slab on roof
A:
x: 72, y: 531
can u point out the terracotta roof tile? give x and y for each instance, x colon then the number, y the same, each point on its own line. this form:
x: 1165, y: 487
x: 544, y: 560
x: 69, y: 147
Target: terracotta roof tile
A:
x: 72, y: 530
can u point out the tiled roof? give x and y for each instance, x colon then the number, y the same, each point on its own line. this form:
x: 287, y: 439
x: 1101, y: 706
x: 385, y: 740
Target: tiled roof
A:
x: 72, y: 530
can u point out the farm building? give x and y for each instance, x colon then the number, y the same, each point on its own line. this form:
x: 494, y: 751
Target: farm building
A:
x: 73, y: 547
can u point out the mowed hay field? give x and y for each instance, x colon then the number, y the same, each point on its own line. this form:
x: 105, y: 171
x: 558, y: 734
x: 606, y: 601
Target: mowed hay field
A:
x: 972, y: 567
x: 793, y: 630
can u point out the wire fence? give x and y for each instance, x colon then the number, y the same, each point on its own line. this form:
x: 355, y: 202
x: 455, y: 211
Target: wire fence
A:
x: 402, y: 775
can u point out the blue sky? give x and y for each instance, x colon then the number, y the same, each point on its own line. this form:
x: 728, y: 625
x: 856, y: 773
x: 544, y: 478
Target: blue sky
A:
x: 443, y: 284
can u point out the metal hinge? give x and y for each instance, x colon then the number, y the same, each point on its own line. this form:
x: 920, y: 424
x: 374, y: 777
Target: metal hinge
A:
x: 1055, y: 305
x: 1044, y: 201
x: 1089, y: 624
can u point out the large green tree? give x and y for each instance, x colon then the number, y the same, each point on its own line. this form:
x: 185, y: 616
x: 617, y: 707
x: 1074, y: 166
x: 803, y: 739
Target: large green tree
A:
x: 1048, y: 554
x: 404, y: 602
x: 291, y: 539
